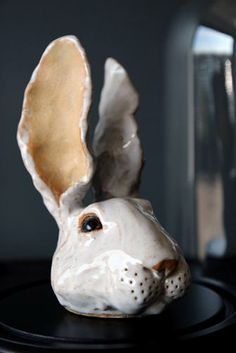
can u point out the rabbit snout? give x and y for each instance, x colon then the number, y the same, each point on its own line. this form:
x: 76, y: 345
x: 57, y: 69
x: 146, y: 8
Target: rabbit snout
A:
x: 143, y: 289
x: 116, y: 282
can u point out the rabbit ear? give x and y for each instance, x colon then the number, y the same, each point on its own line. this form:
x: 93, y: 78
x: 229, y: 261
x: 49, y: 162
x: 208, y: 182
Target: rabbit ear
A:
x: 53, y: 126
x: 116, y: 144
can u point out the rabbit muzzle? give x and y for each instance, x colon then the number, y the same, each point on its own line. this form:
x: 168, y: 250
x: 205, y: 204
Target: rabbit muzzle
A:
x: 147, y: 290
x: 116, y: 284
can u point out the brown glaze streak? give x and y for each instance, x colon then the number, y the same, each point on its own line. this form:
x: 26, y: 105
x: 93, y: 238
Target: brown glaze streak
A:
x: 107, y: 316
x: 52, y: 114
x: 167, y: 265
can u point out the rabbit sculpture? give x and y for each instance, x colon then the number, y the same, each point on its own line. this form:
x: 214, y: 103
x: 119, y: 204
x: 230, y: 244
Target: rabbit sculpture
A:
x: 113, y: 258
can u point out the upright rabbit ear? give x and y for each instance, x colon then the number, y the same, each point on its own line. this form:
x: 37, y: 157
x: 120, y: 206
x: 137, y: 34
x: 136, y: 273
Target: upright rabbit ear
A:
x: 53, y: 126
x: 116, y: 144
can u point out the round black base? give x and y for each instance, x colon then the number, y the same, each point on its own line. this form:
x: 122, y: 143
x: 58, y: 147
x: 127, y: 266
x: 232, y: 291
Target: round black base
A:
x: 30, y: 316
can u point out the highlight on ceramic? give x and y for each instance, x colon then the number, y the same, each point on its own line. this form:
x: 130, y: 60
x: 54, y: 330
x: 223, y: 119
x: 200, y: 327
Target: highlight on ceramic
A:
x: 113, y: 258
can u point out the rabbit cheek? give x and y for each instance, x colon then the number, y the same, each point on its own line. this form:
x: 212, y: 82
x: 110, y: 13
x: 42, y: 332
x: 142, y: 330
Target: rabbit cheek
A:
x: 136, y: 288
x: 177, y: 283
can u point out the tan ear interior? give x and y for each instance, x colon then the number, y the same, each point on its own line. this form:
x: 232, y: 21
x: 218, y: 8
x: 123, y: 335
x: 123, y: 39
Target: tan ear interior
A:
x: 56, y: 101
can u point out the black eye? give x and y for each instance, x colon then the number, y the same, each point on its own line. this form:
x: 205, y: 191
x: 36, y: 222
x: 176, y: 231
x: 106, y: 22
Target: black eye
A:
x: 90, y: 223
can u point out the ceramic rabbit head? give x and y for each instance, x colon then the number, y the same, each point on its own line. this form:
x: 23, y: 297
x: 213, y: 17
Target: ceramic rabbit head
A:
x: 113, y: 258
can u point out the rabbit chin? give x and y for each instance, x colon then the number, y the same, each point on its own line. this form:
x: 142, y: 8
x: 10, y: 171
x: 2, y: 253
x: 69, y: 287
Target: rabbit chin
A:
x: 115, y: 284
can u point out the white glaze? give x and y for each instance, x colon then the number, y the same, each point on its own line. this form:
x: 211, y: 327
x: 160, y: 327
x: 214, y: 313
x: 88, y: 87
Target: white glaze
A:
x: 116, y: 144
x: 110, y: 271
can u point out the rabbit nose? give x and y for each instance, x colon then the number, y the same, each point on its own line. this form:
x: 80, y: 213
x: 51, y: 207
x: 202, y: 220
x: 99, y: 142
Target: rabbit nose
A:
x: 167, y: 265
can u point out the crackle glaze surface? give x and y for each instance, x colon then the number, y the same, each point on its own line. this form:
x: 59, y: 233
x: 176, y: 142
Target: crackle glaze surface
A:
x: 128, y: 265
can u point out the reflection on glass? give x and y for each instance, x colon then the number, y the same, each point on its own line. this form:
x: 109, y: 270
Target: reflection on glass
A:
x: 214, y: 119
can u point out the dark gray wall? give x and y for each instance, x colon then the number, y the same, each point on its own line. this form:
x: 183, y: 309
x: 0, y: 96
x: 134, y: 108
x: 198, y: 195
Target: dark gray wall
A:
x: 133, y: 32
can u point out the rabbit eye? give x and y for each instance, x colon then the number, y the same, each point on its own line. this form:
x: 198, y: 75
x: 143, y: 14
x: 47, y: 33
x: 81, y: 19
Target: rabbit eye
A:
x: 90, y: 223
